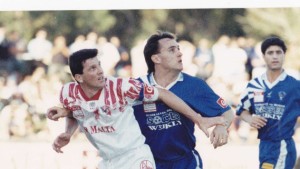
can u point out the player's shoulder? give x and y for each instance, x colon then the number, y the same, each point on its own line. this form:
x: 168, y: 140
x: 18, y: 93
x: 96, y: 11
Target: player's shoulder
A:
x: 192, y: 79
x: 70, y: 85
x: 292, y: 78
x: 256, y: 81
x: 292, y: 81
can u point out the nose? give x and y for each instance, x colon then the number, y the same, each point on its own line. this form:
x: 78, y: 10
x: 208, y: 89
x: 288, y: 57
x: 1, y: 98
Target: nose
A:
x: 275, y: 56
x: 179, y: 53
x: 100, y: 70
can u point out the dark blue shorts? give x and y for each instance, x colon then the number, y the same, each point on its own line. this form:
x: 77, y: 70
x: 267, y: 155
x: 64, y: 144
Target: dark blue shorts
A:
x: 191, y: 160
x: 280, y: 154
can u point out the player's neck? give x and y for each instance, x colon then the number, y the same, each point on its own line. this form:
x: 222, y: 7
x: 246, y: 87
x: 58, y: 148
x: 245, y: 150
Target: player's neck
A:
x: 272, y: 75
x: 164, y: 78
x: 88, y: 91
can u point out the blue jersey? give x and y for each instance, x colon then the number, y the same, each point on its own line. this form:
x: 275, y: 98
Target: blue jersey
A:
x: 278, y: 102
x: 170, y: 134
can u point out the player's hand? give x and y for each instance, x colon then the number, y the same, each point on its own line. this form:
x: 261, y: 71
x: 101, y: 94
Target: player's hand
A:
x: 204, y: 123
x: 219, y: 136
x: 60, y: 141
x: 258, y: 122
x: 54, y: 113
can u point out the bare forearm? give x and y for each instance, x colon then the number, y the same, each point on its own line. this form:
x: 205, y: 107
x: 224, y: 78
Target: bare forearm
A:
x: 177, y: 104
x: 228, y: 116
x: 246, y: 116
x: 71, y: 125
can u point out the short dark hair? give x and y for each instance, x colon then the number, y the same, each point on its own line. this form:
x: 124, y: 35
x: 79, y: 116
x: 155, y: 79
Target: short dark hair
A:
x: 77, y: 59
x: 152, y: 47
x: 272, y: 41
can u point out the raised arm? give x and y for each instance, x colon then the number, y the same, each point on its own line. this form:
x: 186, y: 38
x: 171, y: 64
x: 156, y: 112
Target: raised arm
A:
x: 180, y: 106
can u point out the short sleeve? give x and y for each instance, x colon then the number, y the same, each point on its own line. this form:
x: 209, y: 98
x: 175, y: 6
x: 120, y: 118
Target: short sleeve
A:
x: 244, y: 104
x: 137, y: 90
x: 67, y: 95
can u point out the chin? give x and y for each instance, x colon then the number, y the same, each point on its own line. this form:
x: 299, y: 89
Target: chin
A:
x: 101, y: 85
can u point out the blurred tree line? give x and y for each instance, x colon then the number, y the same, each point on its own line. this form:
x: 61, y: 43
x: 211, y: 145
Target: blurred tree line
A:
x: 189, y: 24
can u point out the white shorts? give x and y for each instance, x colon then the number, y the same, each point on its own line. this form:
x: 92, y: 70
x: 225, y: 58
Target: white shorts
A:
x: 139, y: 158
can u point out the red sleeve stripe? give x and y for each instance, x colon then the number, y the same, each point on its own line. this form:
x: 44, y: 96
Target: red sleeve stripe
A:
x: 112, y: 93
x: 119, y: 91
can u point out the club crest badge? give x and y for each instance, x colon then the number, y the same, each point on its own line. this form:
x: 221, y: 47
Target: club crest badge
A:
x: 222, y: 102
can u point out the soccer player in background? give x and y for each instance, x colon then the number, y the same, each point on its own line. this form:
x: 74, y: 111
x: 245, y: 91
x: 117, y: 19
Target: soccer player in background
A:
x: 271, y: 104
x: 169, y: 134
x: 102, y: 107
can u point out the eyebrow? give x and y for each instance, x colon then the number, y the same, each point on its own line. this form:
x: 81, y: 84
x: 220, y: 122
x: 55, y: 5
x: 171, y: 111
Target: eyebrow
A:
x: 174, y: 46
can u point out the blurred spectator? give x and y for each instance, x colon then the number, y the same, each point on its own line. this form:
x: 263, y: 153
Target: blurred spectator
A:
x: 123, y: 66
x: 108, y: 55
x: 204, y: 59
x: 60, y: 51
x: 91, y: 40
x: 220, y: 53
x: 9, y: 66
x: 188, y: 50
x: 248, y: 45
x: 258, y: 63
x: 4, y: 52
x: 39, y: 48
x: 139, y: 66
x: 32, y: 89
x: 77, y: 44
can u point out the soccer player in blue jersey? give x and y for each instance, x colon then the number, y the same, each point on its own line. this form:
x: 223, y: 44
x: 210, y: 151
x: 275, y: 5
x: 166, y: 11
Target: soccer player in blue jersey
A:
x: 271, y: 104
x: 169, y: 134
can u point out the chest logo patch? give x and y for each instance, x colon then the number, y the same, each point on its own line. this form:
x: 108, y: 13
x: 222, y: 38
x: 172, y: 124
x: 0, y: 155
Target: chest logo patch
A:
x: 258, y: 96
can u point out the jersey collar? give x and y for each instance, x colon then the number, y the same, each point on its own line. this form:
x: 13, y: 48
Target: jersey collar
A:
x: 281, y: 77
x: 154, y: 83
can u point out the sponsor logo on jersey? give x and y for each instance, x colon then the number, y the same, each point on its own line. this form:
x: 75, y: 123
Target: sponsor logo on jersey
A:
x: 269, y: 110
x: 163, y: 120
x: 222, y: 102
x: 99, y: 129
x: 146, y: 164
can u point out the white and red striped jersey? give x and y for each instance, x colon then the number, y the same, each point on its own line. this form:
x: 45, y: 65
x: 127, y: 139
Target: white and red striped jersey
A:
x: 107, y: 118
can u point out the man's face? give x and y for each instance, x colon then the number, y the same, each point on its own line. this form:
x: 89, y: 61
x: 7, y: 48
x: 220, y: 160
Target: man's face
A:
x: 92, y: 76
x: 169, y: 54
x: 274, y: 58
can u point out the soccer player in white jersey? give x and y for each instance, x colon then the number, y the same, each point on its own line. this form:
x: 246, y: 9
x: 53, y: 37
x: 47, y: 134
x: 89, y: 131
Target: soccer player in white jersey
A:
x: 102, y: 107
x: 271, y: 104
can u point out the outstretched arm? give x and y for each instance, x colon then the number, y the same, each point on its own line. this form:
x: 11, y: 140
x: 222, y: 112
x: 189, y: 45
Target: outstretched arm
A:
x: 219, y: 135
x: 54, y: 113
x: 179, y: 105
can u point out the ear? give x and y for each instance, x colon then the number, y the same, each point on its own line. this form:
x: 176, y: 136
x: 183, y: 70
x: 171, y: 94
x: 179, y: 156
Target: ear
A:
x: 78, y: 78
x: 155, y: 58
